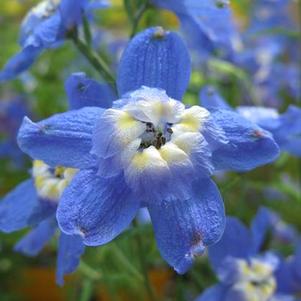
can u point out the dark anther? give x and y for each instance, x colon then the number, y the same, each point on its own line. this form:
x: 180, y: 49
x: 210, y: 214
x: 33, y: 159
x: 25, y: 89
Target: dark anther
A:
x: 255, y: 283
x: 169, y: 130
x: 163, y: 140
x: 157, y: 144
x: 159, y: 135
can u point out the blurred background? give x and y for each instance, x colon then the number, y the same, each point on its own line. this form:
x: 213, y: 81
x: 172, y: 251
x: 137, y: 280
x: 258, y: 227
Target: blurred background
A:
x: 105, y: 273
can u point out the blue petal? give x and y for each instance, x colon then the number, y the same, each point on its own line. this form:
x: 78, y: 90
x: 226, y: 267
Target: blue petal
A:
x: 32, y: 243
x: 200, y: 19
x: 297, y: 261
x: 288, y: 134
x: 183, y: 228
x: 214, y: 293
x: 267, y: 118
x: 287, y: 282
x: 85, y: 92
x: 196, y: 37
x: 98, y: 210
x: 63, y: 139
x: 249, y: 145
x: 259, y: 227
x: 97, y: 4
x: 19, y: 62
x: 210, y: 98
x: 21, y: 208
x: 70, y: 249
x: 155, y: 58
x: 47, y: 34
x: 235, y: 242
x: 71, y: 12
x: 286, y: 128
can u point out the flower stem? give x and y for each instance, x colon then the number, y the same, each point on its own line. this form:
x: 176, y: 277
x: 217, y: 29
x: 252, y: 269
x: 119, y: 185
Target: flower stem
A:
x: 125, y: 262
x: 88, y: 271
x: 87, y: 31
x: 95, y: 60
x: 137, y: 17
x: 87, y: 290
x: 141, y: 254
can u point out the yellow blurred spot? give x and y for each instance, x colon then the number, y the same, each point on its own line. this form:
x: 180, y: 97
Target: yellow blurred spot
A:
x: 11, y: 7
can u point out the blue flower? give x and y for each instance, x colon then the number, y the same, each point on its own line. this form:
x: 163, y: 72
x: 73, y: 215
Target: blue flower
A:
x: 285, y: 128
x: 269, y: 56
x: 148, y: 150
x: 46, y: 26
x: 270, y: 14
x: 33, y: 203
x: 198, y: 21
x: 243, y: 272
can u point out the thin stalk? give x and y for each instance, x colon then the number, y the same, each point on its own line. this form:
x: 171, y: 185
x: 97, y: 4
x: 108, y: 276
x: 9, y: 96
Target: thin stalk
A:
x: 87, y: 31
x: 138, y: 16
x: 88, y: 271
x: 125, y: 262
x: 87, y: 290
x: 95, y: 60
x: 141, y: 254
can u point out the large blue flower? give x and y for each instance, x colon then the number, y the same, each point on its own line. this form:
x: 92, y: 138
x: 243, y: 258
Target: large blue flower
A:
x: 46, y: 26
x: 286, y: 127
x: 244, y: 273
x: 148, y: 150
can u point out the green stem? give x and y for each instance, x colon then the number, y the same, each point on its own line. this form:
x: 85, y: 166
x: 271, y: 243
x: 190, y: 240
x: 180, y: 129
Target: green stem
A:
x: 96, y: 61
x: 138, y: 16
x: 87, y: 30
x: 141, y: 254
x: 87, y: 291
x: 89, y: 272
x: 125, y: 262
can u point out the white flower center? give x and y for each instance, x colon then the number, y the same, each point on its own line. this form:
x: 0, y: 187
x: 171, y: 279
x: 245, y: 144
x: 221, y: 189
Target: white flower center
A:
x: 46, y: 8
x: 152, y: 138
x: 256, y: 280
x: 51, y: 182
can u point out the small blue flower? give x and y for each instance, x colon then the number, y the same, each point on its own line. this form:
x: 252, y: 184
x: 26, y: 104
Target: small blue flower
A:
x: 198, y: 21
x: 148, y: 150
x: 270, y: 14
x: 285, y: 128
x: 244, y: 273
x: 46, y: 26
x: 269, y: 56
x: 266, y: 221
x: 33, y: 203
